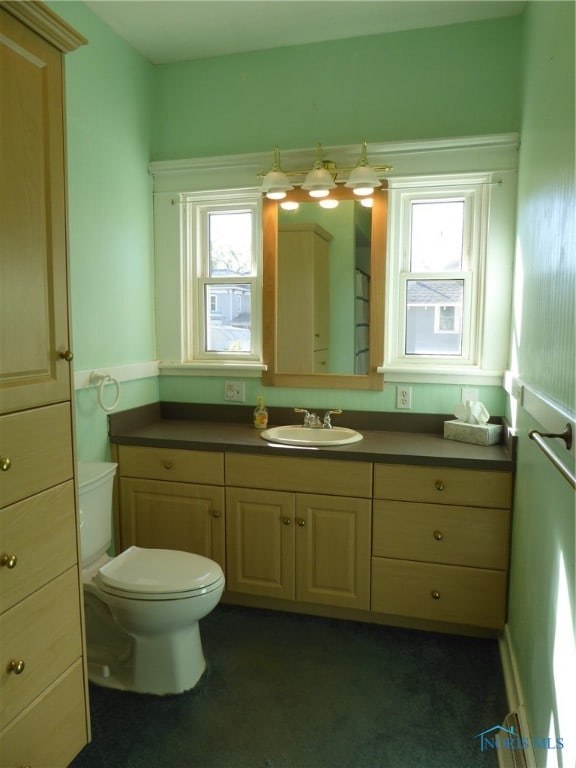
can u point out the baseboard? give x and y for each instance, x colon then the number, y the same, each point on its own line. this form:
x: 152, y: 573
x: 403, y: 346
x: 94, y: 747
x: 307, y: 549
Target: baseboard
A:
x: 515, y: 699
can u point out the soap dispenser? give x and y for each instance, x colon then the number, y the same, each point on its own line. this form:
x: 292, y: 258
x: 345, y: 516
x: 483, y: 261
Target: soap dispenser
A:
x: 260, y: 414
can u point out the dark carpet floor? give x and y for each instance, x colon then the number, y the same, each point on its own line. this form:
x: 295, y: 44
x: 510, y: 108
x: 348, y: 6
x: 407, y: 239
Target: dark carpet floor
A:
x: 289, y: 691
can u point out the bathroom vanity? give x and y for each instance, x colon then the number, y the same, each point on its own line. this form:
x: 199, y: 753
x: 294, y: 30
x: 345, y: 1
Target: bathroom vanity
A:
x: 402, y: 528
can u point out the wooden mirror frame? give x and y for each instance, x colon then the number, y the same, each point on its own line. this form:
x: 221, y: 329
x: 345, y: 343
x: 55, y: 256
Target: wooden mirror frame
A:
x: 372, y: 380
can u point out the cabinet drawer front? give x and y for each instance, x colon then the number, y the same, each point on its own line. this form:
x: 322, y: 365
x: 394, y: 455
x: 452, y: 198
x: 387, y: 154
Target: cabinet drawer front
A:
x: 340, y: 478
x: 39, y: 446
x: 172, y: 464
x: 41, y: 534
x: 44, y: 632
x: 439, y: 533
x: 445, y: 593
x: 52, y: 730
x: 469, y: 487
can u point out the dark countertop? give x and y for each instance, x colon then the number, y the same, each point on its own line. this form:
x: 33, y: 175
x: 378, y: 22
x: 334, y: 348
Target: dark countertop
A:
x: 379, y: 445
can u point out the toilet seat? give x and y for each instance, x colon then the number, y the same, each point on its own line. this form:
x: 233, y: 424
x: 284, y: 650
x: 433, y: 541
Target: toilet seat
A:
x: 159, y: 574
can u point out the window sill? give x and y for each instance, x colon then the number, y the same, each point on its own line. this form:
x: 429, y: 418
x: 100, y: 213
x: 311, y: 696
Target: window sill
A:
x: 215, y: 368
x: 441, y: 375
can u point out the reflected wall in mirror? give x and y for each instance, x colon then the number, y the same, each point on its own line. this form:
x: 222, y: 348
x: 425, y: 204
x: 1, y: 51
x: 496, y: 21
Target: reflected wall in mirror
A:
x: 324, y: 291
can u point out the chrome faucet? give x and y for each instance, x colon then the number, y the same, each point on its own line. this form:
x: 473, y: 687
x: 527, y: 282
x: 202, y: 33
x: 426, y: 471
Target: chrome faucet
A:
x: 312, y: 420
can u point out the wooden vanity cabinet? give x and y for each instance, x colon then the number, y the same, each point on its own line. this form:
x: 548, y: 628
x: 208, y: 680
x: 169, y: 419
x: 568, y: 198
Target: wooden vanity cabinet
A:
x: 172, y: 499
x: 441, y: 544
x: 44, y: 715
x: 309, y: 547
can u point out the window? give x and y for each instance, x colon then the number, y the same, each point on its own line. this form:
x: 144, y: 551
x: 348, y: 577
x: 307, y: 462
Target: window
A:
x: 438, y: 233
x: 222, y: 244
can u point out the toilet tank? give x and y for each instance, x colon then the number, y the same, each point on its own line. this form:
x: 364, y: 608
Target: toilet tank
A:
x: 95, y: 483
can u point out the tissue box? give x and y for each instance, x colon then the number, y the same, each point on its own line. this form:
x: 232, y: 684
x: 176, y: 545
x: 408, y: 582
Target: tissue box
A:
x: 479, y: 434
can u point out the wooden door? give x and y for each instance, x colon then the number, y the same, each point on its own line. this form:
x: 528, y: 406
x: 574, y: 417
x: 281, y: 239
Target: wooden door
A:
x: 163, y: 515
x: 260, y: 542
x: 33, y: 279
x: 333, y: 550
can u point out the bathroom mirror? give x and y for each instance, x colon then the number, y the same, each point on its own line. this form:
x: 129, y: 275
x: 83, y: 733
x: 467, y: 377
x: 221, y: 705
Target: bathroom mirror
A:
x: 323, y: 293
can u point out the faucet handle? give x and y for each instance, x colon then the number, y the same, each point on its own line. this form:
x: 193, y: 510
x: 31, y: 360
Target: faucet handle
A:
x: 327, y: 422
x: 307, y: 415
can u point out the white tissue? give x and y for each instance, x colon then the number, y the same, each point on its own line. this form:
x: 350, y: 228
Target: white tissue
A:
x: 471, y: 412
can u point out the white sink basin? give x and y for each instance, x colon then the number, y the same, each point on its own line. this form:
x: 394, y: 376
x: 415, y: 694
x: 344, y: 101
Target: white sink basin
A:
x: 295, y: 435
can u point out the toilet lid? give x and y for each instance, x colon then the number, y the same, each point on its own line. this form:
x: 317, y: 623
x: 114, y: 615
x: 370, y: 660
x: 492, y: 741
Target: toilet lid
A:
x: 158, y: 571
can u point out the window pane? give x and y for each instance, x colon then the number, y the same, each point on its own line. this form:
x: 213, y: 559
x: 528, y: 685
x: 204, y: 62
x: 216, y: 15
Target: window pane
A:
x: 228, y: 318
x: 436, y: 236
x: 230, y: 243
x: 434, y: 317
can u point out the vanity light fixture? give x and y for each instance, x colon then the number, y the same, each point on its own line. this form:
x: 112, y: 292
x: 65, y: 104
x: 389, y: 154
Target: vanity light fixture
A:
x: 328, y: 202
x: 362, y: 179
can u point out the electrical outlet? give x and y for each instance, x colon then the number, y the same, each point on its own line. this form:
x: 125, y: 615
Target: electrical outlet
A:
x: 234, y: 391
x: 404, y: 397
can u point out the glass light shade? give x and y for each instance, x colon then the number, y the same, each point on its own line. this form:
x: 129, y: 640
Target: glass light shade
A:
x: 275, y: 185
x: 367, y: 202
x: 290, y: 205
x: 329, y: 203
x: 363, y: 180
x: 318, y: 182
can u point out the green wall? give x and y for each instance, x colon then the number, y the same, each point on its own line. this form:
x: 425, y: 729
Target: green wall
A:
x: 109, y: 89
x: 427, y: 83
x: 542, y: 601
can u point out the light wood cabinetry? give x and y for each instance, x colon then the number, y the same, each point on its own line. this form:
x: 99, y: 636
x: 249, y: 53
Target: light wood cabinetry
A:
x: 303, y: 343
x: 444, y: 561
x: 177, y: 513
x: 299, y: 529
x: 44, y: 716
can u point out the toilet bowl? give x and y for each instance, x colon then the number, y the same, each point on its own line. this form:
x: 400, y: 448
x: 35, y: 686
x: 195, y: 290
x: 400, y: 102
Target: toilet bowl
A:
x: 142, y: 607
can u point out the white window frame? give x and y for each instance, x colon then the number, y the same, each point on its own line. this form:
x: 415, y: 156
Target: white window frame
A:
x: 474, y: 190
x: 195, y: 210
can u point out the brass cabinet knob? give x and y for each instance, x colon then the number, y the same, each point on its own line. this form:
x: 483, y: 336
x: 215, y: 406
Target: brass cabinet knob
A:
x: 439, y: 485
x: 167, y: 464
x: 16, y: 666
x: 438, y: 535
x: 5, y: 463
x: 286, y: 521
x: 435, y: 594
x: 8, y: 560
x: 215, y: 513
x: 68, y: 356
x: 301, y: 522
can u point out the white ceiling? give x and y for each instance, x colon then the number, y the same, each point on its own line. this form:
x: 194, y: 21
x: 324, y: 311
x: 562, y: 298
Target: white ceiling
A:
x: 165, y: 31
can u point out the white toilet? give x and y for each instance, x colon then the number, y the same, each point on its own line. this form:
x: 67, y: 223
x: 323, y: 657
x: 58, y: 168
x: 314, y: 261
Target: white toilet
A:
x: 142, y: 607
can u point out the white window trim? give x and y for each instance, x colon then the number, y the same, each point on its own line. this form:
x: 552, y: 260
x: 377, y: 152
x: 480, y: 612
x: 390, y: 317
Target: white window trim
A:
x: 193, y: 209
x: 470, y: 367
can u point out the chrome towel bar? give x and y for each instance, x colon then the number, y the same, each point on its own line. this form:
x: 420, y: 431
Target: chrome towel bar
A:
x: 566, y: 435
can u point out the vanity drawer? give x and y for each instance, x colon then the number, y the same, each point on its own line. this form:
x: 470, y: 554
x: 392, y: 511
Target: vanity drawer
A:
x: 38, y: 444
x: 443, y: 593
x: 52, y: 730
x: 439, y: 533
x: 40, y: 533
x: 469, y: 487
x: 44, y: 632
x: 171, y: 464
x: 339, y: 478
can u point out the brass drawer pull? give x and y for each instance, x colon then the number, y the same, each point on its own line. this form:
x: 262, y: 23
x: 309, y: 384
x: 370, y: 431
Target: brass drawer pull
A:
x: 167, y: 464
x: 215, y: 513
x: 438, y: 535
x: 68, y: 356
x: 5, y: 463
x: 439, y: 485
x: 9, y: 561
x: 286, y: 521
x: 435, y: 594
x: 16, y: 666
x: 301, y: 522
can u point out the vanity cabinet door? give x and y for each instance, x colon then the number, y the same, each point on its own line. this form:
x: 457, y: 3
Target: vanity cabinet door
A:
x: 333, y: 550
x: 260, y: 542
x: 166, y: 515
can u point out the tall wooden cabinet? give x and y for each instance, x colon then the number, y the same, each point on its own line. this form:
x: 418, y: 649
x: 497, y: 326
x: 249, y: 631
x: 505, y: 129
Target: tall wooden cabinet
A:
x: 44, y: 719
x: 303, y: 343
